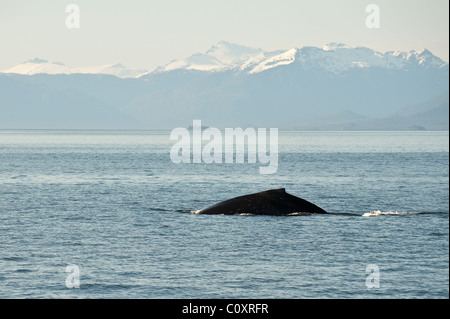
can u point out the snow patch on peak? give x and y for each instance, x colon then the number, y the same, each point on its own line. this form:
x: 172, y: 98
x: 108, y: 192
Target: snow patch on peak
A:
x: 196, y: 61
x: 221, y: 56
x: 229, y: 53
x: 360, y: 65
x: 424, y: 58
x: 280, y: 59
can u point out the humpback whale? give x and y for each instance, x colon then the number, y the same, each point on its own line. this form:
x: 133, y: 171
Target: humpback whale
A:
x: 270, y: 202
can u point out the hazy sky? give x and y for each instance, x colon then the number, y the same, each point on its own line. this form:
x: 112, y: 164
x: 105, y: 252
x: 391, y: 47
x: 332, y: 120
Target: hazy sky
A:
x: 145, y: 34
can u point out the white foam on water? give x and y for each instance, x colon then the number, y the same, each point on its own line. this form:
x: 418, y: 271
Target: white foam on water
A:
x: 380, y: 213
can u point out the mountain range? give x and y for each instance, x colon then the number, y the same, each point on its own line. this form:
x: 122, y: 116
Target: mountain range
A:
x: 41, y: 66
x: 336, y: 87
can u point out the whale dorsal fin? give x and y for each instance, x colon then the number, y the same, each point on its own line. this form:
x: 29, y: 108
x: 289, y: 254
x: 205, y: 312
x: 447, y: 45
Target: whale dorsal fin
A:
x: 278, y: 190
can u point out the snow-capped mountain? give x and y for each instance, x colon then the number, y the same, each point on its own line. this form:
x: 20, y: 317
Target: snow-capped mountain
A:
x: 41, y: 66
x: 333, y: 87
x: 37, y: 66
x: 221, y: 56
x: 333, y: 57
x: 118, y: 70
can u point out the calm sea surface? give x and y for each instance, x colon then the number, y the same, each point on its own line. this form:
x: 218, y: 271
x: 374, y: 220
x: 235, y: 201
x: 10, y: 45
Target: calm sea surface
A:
x: 111, y: 203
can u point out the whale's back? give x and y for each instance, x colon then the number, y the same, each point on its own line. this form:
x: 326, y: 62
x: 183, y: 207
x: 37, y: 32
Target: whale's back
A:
x: 270, y: 202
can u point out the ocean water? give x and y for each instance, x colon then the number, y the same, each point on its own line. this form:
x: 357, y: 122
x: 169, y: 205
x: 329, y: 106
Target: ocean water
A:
x: 114, y: 205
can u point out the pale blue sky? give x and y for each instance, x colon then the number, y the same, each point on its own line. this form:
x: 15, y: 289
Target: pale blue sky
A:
x: 146, y: 34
